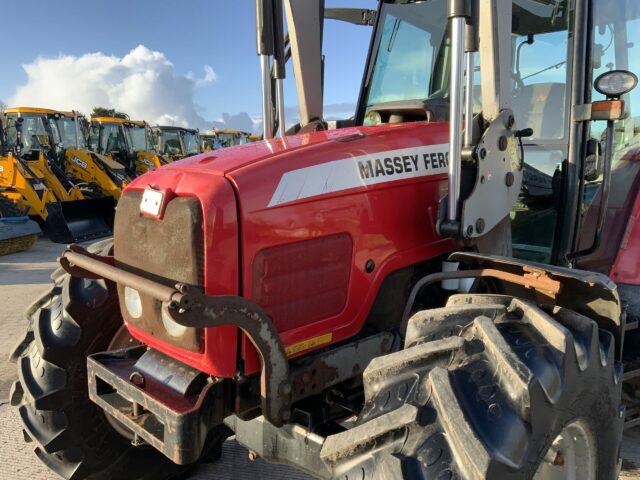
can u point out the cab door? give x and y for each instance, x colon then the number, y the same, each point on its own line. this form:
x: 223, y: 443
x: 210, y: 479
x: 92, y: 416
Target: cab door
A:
x: 541, y: 83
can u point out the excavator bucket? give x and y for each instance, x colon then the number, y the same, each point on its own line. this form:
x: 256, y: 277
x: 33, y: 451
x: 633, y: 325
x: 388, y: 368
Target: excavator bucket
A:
x: 17, y: 234
x: 80, y: 220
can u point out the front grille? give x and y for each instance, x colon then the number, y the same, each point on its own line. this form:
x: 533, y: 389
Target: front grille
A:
x: 303, y: 282
x: 169, y: 250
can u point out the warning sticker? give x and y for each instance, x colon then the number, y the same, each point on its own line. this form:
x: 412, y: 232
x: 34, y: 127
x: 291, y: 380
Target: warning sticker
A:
x: 360, y: 171
x: 309, y: 343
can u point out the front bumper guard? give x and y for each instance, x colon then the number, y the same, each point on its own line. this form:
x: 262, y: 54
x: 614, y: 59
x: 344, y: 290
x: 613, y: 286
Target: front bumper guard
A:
x: 174, y: 422
x: 192, y: 308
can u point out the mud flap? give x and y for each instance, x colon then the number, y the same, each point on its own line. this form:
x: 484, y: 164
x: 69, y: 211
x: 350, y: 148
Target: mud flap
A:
x: 17, y: 234
x: 80, y: 220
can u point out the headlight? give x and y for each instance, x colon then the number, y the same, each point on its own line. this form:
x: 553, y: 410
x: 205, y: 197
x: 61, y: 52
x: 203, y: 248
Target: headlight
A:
x: 615, y: 83
x: 173, y: 328
x: 133, y: 302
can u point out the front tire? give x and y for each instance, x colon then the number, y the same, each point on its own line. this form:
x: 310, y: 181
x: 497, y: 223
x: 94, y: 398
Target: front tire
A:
x: 71, y: 434
x: 484, y: 388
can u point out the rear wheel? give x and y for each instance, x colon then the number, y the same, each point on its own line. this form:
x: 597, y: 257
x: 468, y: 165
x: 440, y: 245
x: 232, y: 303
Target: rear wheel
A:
x: 72, y: 436
x: 9, y: 209
x: 488, y: 387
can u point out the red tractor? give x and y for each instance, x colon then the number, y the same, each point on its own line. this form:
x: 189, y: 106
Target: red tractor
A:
x: 392, y: 297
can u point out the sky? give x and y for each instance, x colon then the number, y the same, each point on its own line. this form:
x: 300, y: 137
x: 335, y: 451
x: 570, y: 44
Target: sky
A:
x: 186, y: 63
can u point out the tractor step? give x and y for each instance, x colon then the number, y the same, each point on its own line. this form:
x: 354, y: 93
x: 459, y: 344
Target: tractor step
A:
x: 165, y: 403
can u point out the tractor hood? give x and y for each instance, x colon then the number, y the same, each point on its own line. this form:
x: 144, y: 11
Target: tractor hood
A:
x: 320, y: 146
x: 302, y: 226
x: 299, y: 167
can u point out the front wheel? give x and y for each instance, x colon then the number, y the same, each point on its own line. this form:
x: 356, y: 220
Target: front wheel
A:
x: 71, y: 434
x: 489, y: 387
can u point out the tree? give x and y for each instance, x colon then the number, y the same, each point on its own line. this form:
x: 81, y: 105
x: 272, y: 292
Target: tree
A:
x: 108, y: 112
x: 3, y: 106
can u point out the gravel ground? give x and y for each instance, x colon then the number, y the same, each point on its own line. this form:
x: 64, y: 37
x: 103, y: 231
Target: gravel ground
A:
x: 23, y: 277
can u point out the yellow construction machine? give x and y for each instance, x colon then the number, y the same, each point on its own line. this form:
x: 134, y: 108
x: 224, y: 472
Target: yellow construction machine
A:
x: 104, y: 173
x: 33, y: 178
x: 17, y: 231
x: 127, y: 141
x: 175, y: 143
x: 63, y: 138
x: 223, y: 138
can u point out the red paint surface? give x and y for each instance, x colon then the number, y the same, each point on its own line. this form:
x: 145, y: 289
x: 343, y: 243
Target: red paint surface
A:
x: 221, y: 263
x: 391, y: 223
x: 626, y: 268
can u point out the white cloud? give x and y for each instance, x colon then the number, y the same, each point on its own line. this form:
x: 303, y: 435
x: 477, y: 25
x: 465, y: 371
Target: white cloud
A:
x: 209, y: 76
x: 143, y: 83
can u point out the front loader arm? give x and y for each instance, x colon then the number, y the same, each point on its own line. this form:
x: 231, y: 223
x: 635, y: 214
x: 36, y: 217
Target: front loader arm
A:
x: 485, y: 172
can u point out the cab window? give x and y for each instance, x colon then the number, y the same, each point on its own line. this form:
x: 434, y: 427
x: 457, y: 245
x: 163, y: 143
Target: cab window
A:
x: 112, y: 139
x: 540, y: 86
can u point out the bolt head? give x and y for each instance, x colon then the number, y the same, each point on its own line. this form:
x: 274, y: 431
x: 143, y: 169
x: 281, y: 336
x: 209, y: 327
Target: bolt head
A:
x: 285, y: 388
x: 509, y: 179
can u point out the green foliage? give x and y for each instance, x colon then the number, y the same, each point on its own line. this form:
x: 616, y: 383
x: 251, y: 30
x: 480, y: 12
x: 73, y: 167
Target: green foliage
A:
x: 108, y: 112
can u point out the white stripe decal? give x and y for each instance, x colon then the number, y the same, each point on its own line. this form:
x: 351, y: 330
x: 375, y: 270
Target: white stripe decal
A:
x: 360, y: 171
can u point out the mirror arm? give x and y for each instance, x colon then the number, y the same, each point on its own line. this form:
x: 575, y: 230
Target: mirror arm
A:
x: 604, y: 198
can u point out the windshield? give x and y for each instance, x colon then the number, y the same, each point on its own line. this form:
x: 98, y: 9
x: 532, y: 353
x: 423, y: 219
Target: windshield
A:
x: 137, y: 136
x: 171, y: 143
x: 112, y: 139
x: 34, y: 133
x: 225, y: 140
x: 190, y: 143
x: 410, y: 49
x: 67, y: 129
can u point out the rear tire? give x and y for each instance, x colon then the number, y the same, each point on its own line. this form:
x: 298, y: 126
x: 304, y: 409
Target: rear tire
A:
x: 482, y: 389
x: 71, y: 434
x: 8, y: 209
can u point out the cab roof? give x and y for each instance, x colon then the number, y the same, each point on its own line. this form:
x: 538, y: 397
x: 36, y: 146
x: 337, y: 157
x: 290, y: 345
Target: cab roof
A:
x: 140, y: 123
x: 42, y: 111
x: 232, y: 132
x: 36, y: 110
x: 172, y: 127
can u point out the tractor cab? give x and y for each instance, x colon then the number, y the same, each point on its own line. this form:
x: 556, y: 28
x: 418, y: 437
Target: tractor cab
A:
x: 407, y: 79
x: 39, y: 131
x: 176, y: 142
x: 223, y: 139
x: 126, y: 140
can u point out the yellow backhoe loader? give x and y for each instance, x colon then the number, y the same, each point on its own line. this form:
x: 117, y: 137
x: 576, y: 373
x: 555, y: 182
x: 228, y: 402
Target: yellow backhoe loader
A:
x: 104, y: 173
x: 127, y: 141
x: 34, y: 179
x: 223, y: 138
x: 175, y: 143
x: 17, y: 231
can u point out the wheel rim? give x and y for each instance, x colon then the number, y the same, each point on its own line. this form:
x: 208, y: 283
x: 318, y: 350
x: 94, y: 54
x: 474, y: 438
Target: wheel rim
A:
x: 571, y: 456
x: 122, y: 339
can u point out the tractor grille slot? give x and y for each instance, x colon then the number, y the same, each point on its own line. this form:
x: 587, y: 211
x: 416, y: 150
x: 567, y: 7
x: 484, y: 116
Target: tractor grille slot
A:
x: 303, y: 282
x: 168, y: 251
